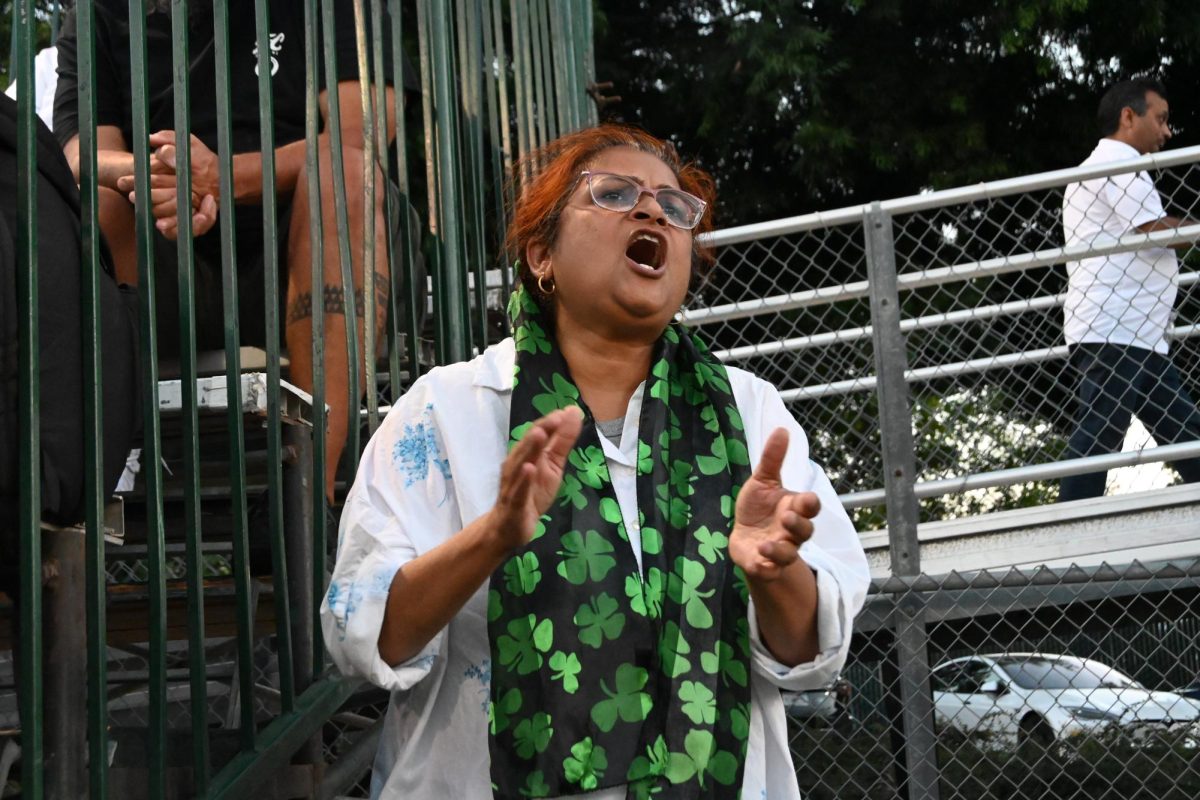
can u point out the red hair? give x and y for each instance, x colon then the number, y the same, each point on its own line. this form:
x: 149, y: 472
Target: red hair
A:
x: 554, y: 170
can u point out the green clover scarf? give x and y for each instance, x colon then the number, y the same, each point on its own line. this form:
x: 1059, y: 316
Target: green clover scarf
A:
x: 602, y: 676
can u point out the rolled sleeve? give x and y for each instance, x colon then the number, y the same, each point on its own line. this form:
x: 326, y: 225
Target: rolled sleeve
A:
x: 1134, y: 198
x: 403, y: 486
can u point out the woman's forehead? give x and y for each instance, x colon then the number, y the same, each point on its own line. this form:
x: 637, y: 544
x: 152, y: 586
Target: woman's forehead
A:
x: 648, y: 169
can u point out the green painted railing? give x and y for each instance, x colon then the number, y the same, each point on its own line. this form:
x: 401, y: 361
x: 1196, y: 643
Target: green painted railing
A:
x: 496, y: 79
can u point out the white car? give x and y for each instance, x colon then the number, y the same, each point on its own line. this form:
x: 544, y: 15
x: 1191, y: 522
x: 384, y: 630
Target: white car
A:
x: 1044, y: 698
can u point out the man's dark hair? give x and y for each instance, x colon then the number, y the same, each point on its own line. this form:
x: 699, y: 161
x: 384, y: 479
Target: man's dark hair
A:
x: 1126, y: 94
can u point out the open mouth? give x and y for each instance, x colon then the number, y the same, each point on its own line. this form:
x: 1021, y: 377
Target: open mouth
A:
x: 647, y: 250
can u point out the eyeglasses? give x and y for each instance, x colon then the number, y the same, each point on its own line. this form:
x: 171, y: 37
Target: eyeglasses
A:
x: 620, y: 193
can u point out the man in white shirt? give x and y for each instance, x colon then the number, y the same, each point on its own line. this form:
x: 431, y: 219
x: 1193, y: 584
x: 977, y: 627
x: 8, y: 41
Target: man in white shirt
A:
x: 1118, y: 306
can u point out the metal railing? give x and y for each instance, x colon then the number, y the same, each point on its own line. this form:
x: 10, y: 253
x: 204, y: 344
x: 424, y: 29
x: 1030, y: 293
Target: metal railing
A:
x: 199, y: 623
x: 920, y: 343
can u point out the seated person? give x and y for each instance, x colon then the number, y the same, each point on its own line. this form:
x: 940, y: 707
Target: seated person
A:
x: 114, y: 136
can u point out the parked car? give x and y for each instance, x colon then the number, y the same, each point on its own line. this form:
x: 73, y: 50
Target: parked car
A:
x: 827, y: 703
x: 1045, y: 698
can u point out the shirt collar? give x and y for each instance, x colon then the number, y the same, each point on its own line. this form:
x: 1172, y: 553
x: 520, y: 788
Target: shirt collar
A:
x: 1112, y: 147
x: 494, y: 367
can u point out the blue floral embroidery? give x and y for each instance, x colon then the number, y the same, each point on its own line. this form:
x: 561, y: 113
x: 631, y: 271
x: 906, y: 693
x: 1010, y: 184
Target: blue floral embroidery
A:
x: 417, y: 448
x: 483, y: 674
x: 344, y: 598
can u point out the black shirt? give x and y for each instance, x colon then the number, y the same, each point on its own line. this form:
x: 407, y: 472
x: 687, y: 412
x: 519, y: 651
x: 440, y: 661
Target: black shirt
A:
x: 112, y: 87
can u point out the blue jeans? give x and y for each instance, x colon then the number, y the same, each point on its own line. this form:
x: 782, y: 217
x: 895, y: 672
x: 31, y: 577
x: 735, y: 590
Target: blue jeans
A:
x: 1115, y: 382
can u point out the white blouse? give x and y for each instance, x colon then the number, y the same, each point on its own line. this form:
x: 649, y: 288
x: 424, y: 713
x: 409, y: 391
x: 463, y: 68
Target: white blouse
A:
x: 432, y: 467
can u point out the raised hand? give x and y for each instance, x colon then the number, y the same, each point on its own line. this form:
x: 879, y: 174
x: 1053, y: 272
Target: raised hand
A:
x: 770, y: 522
x: 531, y: 475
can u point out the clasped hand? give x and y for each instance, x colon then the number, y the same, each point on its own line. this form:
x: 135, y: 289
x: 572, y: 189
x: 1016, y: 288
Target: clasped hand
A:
x: 770, y: 522
x: 164, y: 181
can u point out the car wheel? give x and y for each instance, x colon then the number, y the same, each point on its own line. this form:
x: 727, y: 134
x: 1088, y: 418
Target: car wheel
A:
x: 1035, y: 738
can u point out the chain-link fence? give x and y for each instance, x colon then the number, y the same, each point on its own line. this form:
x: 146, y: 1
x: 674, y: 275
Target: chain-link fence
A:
x: 983, y: 350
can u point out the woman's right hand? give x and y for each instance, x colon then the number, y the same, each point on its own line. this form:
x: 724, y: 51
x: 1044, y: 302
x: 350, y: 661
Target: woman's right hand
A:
x: 531, y: 475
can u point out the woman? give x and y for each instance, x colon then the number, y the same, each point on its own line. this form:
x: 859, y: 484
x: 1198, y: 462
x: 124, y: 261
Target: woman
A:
x: 546, y: 555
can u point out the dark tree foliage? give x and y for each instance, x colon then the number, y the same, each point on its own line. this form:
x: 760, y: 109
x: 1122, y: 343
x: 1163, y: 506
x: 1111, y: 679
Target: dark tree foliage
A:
x: 798, y: 106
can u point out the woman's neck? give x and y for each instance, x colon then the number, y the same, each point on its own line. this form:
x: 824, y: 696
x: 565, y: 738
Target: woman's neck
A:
x: 607, y: 372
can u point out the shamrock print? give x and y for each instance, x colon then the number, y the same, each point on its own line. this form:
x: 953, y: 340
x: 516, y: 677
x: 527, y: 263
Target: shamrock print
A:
x: 561, y: 395
x: 585, y: 556
x: 724, y: 452
x: 535, y: 785
x: 627, y: 701
x: 699, y: 703
x: 672, y: 648
x: 599, y: 619
x: 586, y: 764
x: 566, y: 668
x: 500, y: 710
x: 683, y: 587
x: 722, y: 659
x: 646, y: 597
x: 591, y: 465
x: 533, y: 735
x: 712, y: 544
x: 521, y: 573
x: 522, y: 647
x: 530, y: 338
x: 701, y: 757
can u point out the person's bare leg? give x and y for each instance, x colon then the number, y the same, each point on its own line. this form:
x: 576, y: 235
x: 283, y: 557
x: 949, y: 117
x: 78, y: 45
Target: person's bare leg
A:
x: 115, y: 214
x: 300, y: 294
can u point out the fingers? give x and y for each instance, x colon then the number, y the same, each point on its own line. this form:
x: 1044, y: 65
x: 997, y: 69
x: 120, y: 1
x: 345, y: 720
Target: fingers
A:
x: 771, y: 460
x: 564, y: 434
x: 206, y: 217
x: 166, y: 155
x: 159, y: 138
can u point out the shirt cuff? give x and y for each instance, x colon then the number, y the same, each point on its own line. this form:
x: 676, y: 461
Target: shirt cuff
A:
x: 832, y: 644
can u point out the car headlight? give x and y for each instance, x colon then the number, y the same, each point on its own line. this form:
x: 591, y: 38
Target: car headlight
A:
x: 1092, y: 713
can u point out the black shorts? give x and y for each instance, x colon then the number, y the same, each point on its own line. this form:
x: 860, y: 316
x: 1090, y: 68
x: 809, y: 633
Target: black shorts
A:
x: 251, y: 268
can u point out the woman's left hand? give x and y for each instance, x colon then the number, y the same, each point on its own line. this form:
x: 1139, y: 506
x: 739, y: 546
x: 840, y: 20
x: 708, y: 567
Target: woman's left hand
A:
x: 770, y: 522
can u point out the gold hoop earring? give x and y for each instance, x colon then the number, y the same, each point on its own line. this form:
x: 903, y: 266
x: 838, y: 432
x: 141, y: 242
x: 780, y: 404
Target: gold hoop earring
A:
x: 542, y: 287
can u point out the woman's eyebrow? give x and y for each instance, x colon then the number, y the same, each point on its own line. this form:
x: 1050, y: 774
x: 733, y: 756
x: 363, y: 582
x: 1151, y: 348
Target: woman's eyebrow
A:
x: 637, y: 179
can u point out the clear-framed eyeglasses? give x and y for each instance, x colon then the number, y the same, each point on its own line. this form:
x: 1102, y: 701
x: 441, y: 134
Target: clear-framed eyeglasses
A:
x: 621, y: 193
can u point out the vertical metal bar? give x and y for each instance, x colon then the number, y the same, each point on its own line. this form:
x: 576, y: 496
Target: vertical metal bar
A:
x: 152, y: 444
x: 567, y: 57
x: 470, y: 48
x: 368, y: 257
x: 390, y: 210
x: 496, y: 94
x: 521, y: 86
x: 432, y: 178
x: 587, y: 55
x: 413, y: 291
x: 334, y: 129
x: 64, y: 674
x: 197, y: 673
x: 560, y: 70
x: 266, y: 122
x: 549, y: 78
x: 28, y: 421
x: 312, y: 173
x: 93, y: 412
x: 237, y: 464
x: 55, y: 15
x: 452, y: 272
x: 914, y: 704
x: 537, y: 62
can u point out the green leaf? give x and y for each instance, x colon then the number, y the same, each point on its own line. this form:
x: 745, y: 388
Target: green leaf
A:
x: 570, y: 491
x: 651, y: 541
x: 699, y: 746
x: 652, y: 764
x: 740, y: 721
x: 659, y: 387
x: 521, y: 648
x: 566, y: 668
x: 610, y: 511
x: 716, y: 463
x: 735, y: 417
x: 699, y: 703
x: 586, y: 764
x: 713, y: 375
x: 712, y: 544
x: 562, y: 394
x: 681, y: 478
x: 599, y: 619
x: 675, y: 509
x: 499, y: 712
x: 683, y: 587
x: 708, y: 415
x: 628, y: 701
x: 495, y: 606
x: 591, y: 465
x: 531, y: 338
x: 535, y: 785
x: 585, y: 556
x: 722, y: 659
x: 646, y: 596
x: 533, y: 735
x: 672, y: 648
x: 522, y: 574
x: 645, y: 462
x: 737, y: 452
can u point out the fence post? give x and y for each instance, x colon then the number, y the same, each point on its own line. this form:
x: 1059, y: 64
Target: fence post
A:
x: 911, y: 707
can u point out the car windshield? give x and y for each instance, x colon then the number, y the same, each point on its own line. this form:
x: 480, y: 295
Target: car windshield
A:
x: 1064, y: 673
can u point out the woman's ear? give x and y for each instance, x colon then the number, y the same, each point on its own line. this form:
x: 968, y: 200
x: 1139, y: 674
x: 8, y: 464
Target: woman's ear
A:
x: 537, y: 259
